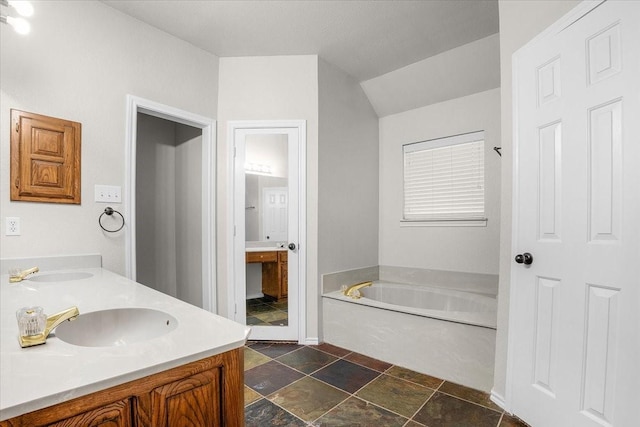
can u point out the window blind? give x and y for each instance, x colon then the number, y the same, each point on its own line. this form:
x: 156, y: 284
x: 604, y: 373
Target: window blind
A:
x: 444, y: 178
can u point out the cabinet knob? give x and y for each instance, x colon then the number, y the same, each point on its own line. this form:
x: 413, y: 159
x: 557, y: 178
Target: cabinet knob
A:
x: 292, y: 246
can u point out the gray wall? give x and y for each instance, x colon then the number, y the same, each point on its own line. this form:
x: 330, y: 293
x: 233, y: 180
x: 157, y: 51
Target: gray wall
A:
x: 169, y: 208
x: 347, y: 174
x: 188, y: 223
x: 451, y: 248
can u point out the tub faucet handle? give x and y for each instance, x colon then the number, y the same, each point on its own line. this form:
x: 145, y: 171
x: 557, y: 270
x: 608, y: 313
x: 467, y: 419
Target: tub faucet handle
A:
x: 353, y: 291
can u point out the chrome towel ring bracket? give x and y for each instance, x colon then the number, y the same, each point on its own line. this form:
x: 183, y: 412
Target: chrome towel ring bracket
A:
x: 109, y: 212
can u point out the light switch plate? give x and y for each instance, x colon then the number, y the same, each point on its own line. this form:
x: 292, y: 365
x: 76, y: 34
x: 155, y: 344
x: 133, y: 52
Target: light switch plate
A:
x: 108, y: 194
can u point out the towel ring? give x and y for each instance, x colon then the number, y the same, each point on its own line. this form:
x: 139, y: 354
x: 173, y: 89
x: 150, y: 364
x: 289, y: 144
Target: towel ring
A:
x: 110, y: 211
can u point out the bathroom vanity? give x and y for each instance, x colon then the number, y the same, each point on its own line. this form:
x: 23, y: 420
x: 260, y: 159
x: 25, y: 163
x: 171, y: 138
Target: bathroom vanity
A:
x: 274, y: 270
x: 190, y: 374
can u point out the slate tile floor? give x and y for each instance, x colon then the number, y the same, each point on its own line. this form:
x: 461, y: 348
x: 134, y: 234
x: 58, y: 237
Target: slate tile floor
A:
x: 267, y: 312
x: 294, y: 385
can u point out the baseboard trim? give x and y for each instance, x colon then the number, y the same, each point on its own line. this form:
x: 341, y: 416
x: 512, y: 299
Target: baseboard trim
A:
x: 498, y: 399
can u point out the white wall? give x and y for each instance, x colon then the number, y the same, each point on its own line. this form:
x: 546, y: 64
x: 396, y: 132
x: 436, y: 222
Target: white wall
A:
x: 268, y: 88
x: 464, y: 249
x: 80, y: 61
x: 271, y: 150
x: 520, y: 21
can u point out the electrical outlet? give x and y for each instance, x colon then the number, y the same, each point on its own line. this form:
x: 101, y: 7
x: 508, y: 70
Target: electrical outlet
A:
x: 108, y: 193
x: 12, y: 226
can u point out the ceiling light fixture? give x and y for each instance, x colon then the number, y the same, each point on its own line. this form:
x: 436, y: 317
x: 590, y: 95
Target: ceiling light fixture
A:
x: 257, y: 169
x: 23, y: 8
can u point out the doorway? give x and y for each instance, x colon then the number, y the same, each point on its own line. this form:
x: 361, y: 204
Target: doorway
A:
x: 169, y: 190
x: 268, y: 227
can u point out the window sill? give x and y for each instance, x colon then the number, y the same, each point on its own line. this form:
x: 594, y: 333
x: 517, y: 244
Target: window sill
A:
x: 480, y: 222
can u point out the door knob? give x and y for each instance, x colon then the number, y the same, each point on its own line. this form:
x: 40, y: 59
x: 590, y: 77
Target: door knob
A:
x: 525, y: 258
x: 292, y: 246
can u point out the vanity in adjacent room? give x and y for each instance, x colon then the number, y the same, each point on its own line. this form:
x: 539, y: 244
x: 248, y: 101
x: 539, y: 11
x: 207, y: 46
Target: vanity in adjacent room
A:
x: 274, y: 270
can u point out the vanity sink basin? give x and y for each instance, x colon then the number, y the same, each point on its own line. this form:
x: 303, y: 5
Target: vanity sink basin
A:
x: 60, y: 277
x: 115, y: 327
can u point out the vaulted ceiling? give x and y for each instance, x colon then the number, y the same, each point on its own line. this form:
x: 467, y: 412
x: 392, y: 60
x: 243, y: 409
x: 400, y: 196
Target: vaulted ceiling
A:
x: 366, y: 39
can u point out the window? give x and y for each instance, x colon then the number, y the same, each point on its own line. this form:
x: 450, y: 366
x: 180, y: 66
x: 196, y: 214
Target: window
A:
x: 444, y: 180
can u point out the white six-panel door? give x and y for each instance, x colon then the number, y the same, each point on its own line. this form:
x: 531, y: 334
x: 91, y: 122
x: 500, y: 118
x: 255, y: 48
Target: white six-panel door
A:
x: 275, y: 202
x: 574, y: 350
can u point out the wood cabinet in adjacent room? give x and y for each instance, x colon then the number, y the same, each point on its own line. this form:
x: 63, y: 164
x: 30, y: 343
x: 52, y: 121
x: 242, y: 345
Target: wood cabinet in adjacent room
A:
x: 274, y: 272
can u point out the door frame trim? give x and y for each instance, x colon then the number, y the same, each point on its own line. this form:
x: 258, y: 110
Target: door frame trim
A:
x: 564, y: 22
x: 301, y: 126
x: 137, y: 105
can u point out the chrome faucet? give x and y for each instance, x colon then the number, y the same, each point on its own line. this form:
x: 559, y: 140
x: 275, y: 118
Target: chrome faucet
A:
x: 52, y: 321
x: 18, y: 276
x: 353, y: 291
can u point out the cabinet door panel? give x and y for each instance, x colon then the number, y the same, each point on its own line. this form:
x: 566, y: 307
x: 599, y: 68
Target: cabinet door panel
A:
x: 116, y: 414
x: 193, y: 401
x: 45, y: 158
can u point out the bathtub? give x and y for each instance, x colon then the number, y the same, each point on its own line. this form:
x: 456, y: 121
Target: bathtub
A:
x: 444, y: 333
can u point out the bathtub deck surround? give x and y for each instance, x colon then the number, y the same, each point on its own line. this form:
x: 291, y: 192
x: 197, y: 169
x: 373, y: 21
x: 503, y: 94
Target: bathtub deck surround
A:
x: 486, y: 284
x: 325, y: 385
x: 452, y: 336
x: 58, y: 371
x: 335, y: 281
x: 453, y: 351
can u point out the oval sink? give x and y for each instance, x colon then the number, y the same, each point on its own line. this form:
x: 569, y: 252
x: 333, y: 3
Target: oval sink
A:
x: 60, y: 277
x: 119, y: 326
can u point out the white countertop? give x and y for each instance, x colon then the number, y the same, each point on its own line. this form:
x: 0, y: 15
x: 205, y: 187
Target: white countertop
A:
x: 36, y: 377
x: 265, y: 249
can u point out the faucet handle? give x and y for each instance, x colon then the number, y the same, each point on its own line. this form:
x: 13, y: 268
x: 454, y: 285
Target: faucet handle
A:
x: 31, y: 321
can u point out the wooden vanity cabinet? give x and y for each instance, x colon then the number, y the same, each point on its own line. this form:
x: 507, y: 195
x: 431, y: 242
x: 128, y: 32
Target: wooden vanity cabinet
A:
x: 274, y: 272
x: 284, y: 273
x: 208, y: 392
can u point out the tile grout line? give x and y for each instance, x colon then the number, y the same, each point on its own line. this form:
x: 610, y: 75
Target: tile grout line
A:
x: 500, y: 420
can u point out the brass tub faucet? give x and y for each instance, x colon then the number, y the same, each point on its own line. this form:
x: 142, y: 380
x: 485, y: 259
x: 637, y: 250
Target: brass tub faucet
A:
x: 353, y: 291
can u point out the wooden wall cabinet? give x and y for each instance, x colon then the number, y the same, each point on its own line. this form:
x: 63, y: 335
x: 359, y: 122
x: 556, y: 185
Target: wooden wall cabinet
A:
x: 274, y: 272
x: 45, y: 158
x: 208, y: 392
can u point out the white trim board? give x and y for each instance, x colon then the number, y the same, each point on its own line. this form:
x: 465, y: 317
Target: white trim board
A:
x: 137, y: 105
x: 301, y: 126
